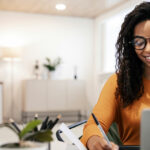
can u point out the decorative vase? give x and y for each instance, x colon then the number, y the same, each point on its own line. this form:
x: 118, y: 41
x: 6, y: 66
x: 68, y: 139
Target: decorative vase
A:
x: 51, y: 75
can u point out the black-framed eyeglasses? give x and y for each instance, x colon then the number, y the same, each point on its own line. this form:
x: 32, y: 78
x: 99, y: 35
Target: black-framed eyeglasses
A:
x: 139, y: 42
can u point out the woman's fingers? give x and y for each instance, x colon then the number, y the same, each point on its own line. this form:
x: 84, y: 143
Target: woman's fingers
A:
x: 114, y: 146
x: 104, y: 144
x: 99, y: 143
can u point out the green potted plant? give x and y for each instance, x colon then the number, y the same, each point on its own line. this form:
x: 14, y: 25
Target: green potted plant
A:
x: 29, y: 137
x: 51, y: 65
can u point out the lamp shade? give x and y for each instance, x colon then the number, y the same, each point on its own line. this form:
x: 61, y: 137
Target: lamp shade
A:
x: 11, y: 53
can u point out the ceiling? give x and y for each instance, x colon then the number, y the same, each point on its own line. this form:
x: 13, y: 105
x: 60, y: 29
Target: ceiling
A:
x: 78, y: 8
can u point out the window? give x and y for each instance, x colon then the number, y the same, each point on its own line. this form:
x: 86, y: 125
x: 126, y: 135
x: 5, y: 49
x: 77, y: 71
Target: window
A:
x: 112, y: 28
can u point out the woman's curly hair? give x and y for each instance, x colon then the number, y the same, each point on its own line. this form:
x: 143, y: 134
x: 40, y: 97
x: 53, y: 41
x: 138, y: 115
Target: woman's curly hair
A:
x: 129, y: 68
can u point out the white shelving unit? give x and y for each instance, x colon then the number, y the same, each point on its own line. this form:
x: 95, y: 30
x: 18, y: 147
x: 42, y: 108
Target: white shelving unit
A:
x: 54, y: 96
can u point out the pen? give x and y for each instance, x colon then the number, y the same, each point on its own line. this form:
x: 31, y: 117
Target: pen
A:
x: 100, y: 128
x: 50, y: 124
x: 44, y: 124
x: 35, y: 118
x: 14, y: 124
x: 55, y: 121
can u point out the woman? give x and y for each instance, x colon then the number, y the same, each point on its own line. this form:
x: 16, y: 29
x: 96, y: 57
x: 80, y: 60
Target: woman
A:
x: 126, y: 93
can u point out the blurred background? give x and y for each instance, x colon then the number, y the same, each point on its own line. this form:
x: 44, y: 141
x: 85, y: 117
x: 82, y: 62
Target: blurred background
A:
x: 81, y: 34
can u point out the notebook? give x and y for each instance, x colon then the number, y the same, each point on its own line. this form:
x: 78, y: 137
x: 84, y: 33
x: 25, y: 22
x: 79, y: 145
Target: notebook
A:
x: 70, y: 135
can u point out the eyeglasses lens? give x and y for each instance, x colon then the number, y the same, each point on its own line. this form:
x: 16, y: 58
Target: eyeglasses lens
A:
x: 139, y: 43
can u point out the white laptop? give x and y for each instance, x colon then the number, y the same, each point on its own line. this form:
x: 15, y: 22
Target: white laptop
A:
x: 145, y: 130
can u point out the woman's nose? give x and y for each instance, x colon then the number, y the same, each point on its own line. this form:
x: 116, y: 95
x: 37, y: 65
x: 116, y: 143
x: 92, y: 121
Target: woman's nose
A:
x: 147, y: 48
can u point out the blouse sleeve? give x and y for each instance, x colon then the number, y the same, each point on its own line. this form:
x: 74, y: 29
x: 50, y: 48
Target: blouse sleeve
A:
x: 105, y: 111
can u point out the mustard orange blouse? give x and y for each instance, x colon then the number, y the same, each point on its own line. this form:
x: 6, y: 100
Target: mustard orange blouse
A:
x: 108, y: 110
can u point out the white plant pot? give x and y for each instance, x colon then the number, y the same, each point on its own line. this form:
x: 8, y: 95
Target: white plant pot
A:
x: 50, y: 75
x: 39, y: 146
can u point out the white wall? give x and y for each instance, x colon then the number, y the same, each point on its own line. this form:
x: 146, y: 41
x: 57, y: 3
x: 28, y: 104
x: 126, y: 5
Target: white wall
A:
x: 1, y: 103
x: 40, y: 36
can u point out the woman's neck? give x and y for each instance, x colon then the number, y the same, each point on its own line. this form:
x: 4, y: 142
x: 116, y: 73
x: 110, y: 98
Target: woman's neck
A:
x: 147, y: 73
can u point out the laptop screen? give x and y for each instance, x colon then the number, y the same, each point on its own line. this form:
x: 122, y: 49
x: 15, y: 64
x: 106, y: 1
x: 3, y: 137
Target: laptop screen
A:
x: 145, y: 130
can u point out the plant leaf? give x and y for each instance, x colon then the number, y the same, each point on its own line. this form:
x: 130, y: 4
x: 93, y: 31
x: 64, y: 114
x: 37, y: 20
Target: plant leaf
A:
x: 49, y: 67
x: 10, y: 126
x: 57, y: 61
x: 29, y: 127
x: 48, y: 60
x: 40, y: 136
x: 10, y: 145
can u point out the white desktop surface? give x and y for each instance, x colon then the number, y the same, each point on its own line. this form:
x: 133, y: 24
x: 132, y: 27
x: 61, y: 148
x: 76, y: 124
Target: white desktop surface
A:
x: 56, y: 145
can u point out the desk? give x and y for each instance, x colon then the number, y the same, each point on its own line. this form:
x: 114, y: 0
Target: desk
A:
x: 56, y: 145
x: 71, y: 147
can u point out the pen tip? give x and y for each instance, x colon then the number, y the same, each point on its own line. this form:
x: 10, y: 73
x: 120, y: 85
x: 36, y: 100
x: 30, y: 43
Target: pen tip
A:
x: 36, y: 115
x: 11, y: 120
x: 59, y: 116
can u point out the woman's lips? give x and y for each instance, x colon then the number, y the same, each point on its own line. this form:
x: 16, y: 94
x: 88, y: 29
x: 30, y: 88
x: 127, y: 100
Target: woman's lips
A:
x: 147, y: 58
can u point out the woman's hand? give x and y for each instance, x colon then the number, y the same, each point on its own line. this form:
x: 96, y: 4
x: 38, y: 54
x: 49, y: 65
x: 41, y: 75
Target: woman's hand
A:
x: 99, y: 143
